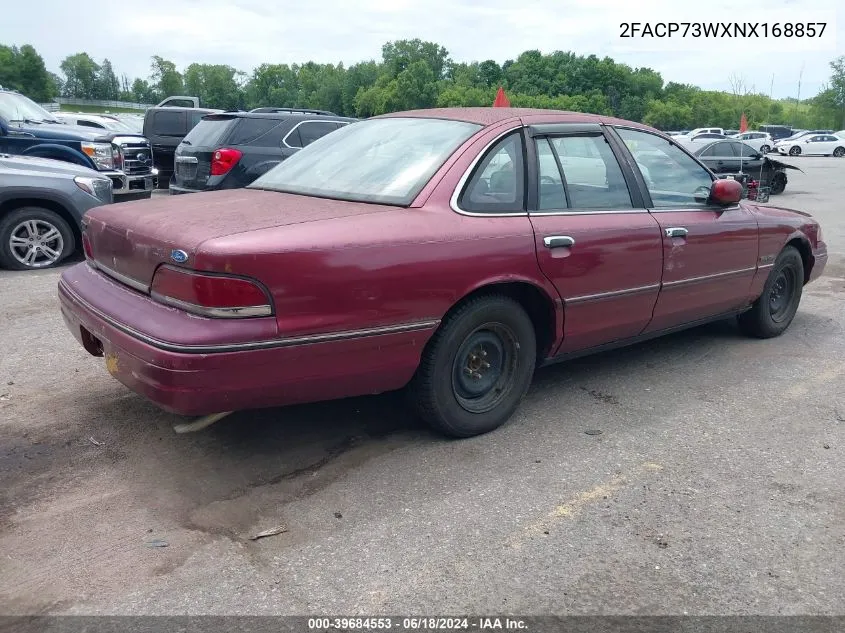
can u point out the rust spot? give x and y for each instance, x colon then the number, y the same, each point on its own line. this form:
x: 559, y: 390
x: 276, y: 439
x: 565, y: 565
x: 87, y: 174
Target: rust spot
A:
x: 228, y: 267
x: 112, y: 364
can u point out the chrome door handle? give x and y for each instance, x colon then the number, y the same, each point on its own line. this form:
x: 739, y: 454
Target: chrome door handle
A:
x: 557, y: 241
x: 676, y: 231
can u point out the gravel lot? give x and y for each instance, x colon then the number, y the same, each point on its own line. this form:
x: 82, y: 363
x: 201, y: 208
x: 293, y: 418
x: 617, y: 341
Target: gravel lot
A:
x: 715, y: 486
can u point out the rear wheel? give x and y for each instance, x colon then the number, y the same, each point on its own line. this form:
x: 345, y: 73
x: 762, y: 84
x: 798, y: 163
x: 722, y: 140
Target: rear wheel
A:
x: 778, y: 183
x: 477, y: 367
x: 765, y: 149
x: 772, y: 313
x: 794, y: 151
x: 839, y: 152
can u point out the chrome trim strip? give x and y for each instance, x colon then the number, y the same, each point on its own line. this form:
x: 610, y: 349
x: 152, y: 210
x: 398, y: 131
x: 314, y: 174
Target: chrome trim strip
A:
x: 610, y: 295
x: 574, y: 212
x: 762, y: 266
x: 294, y: 341
x: 290, y: 131
x: 220, y: 313
x: 698, y: 208
x: 125, y: 279
x: 453, y: 201
x: 694, y: 280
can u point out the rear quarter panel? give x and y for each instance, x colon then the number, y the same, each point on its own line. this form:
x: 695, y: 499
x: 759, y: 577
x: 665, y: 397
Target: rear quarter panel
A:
x: 777, y: 228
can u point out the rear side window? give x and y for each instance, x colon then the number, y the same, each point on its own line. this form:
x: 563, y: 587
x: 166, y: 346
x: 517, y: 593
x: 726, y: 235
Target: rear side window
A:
x: 210, y: 132
x: 169, y: 123
x: 310, y: 131
x: 498, y: 183
x: 255, y: 132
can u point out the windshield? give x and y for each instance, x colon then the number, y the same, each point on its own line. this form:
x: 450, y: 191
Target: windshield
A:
x: 380, y: 160
x: 15, y: 107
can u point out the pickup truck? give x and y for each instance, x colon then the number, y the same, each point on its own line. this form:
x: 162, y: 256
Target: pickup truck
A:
x: 27, y: 129
x: 166, y: 124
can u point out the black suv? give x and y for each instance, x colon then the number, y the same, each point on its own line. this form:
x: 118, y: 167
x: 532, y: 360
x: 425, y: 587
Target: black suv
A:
x: 230, y: 150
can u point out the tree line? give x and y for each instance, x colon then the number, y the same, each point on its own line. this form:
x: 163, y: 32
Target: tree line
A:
x: 417, y: 74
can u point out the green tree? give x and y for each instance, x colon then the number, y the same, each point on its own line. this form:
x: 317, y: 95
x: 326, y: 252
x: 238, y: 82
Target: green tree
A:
x: 142, y: 91
x: 272, y: 85
x: 107, y: 86
x: 837, y: 86
x: 80, y: 76
x: 165, y: 79
x: 401, y: 54
x: 216, y: 85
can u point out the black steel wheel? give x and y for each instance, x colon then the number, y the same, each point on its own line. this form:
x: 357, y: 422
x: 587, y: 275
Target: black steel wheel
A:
x: 476, y: 368
x: 774, y: 310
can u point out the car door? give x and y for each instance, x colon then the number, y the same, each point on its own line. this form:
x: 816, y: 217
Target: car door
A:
x: 595, y: 241
x: 709, y: 252
x: 720, y: 158
x: 827, y: 144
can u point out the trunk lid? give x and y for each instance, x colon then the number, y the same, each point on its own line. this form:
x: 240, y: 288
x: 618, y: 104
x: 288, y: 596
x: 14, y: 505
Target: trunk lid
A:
x: 130, y: 239
x: 192, y: 158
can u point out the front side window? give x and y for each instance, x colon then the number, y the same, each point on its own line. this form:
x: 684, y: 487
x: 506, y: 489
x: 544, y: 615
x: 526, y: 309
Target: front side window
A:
x: 674, y: 179
x: 497, y: 184
x: 383, y: 160
x: 584, y: 169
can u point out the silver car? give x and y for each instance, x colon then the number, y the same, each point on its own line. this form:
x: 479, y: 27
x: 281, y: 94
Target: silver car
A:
x: 42, y: 202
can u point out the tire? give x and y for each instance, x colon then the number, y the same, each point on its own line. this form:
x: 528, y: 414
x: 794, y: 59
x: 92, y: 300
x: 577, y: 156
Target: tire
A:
x: 795, y: 151
x: 774, y: 310
x: 34, y: 223
x: 765, y: 149
x: 778, y: 184
x: 839, y: 152
x: 444, y: 391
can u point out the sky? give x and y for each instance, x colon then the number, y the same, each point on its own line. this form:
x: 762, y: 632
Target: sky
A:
x: 247, y: 33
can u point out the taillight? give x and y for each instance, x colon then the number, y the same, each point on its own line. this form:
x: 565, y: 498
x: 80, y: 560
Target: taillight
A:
x: 223, y: 160
x: 210, y: 295
x: 86, y: 246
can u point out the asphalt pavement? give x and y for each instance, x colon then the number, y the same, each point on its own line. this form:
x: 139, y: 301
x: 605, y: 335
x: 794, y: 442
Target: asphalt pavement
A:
x: 700, y: 473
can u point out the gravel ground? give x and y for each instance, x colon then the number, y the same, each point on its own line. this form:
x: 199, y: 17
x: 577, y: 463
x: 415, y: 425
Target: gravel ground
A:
x: 714, y: 487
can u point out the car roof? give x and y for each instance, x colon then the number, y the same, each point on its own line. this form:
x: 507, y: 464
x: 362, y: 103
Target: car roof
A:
x: 488, y: 116
x: 279, y: 116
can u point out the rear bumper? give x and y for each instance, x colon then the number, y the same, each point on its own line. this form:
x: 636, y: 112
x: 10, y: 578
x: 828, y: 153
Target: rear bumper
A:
x: 191, y: 380
x: 819, y: 261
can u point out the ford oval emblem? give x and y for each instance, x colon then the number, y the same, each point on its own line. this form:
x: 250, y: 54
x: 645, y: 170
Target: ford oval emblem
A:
x: 180, y: 257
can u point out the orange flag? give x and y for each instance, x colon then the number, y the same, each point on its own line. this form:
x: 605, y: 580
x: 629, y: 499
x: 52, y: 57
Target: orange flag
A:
x: 743, y: 124
x: 501, y: 99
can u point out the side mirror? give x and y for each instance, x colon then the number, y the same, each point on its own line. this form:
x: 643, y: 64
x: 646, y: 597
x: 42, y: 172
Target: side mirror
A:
x: 4, y: 126
x: 725, y: 192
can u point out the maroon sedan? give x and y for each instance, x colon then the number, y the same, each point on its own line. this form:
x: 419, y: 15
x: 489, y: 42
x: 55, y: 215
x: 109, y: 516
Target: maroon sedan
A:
x: 447, y: 251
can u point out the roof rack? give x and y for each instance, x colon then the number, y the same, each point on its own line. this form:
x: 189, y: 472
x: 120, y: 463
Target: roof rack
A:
x: 273, y: 110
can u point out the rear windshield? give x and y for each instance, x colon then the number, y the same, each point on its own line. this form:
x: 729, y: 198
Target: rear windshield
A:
x: 210, y: 132
x: 380, y: 160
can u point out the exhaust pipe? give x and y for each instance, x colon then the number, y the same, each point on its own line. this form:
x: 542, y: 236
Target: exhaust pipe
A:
x: 200, y: 423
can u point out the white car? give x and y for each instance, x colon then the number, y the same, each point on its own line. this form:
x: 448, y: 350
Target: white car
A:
x: 761, y: 141
x: 102, y: 122
x: 814, y: 145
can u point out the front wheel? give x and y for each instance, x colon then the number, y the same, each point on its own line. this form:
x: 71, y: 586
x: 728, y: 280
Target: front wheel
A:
x: 32, y: 237
x: 794, y: 151
x: 839, y: 152
x: 477, y: 367
x: 765, y: 149
x: 772, y: 313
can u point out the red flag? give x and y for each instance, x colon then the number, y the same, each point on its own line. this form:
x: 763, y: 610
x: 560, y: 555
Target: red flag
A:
x: 501, y: 99
x: 743, y: 124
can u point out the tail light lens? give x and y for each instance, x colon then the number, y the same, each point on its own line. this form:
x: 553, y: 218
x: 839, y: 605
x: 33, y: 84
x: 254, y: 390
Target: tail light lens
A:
x: 219, y: 296
x: 223, y: 160
x: 86, y: 246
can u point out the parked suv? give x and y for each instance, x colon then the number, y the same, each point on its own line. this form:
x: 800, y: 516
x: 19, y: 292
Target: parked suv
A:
x: 28, y: 129
x: 230, y: 150
x: 166, y: 126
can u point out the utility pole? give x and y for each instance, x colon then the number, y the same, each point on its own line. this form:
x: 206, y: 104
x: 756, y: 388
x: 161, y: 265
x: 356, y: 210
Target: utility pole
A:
x: 798, y: 98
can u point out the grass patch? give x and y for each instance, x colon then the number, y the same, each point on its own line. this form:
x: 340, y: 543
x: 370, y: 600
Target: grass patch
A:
x: 66, y: 107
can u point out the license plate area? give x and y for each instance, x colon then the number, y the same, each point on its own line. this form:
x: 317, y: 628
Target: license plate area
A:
x: 186, y: 167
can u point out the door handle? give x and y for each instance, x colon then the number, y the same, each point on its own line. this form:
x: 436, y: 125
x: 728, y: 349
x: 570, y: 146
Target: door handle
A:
x: 676, y: 231
x: 557, y: 241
